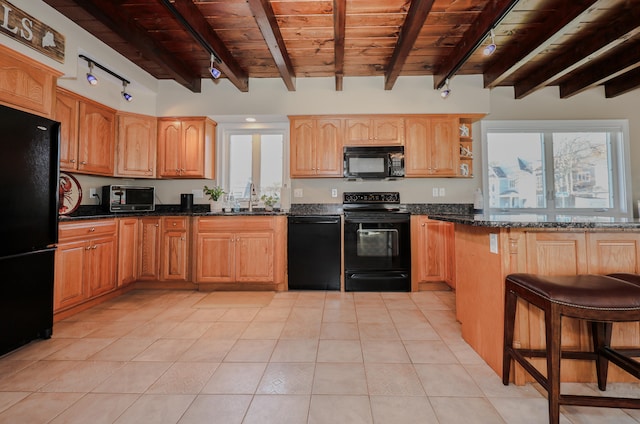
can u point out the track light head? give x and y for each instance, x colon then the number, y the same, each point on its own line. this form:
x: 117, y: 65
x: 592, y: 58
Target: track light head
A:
x: 446, y: 91
x: 91, y: 79
x: 215, y: 72
x: 128, y: 97
x: 491, y: 48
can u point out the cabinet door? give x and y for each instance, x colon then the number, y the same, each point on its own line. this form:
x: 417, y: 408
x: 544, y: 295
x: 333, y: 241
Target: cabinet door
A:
x: 96, y: 139
x: 136, y: 146
x: 66, y: 112
x: 388, y: 131
x: 215, y: 258
x: 169, y: 148
x: 174, y: 249
x: 69, y: 289
x: 445, y: 147
x: 358, y: 131
x: 614, y: 252
x: 192, y: 160
x: 430, y: 261
x: 303, y: 161
x: 328, y: 147
x: 149, y: 259
x: 417, y: 157
x: 127, y: 251
x: 254, y: 257
x: 556, y: 253
x: 102, y: 276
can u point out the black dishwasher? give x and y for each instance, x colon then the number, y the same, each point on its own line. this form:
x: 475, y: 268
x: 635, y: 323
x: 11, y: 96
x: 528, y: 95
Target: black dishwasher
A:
x: 314, y: 252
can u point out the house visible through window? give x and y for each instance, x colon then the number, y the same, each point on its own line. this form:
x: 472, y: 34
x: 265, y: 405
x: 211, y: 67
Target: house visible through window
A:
x: 558, y: 167
x: 252, y: 156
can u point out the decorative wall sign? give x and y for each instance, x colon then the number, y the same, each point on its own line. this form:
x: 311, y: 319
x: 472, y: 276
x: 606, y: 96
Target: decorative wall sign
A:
x: 29, y: 31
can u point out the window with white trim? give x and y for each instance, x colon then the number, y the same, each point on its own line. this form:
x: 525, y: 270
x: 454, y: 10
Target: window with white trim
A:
x: 252, y: 154
x: 557, y: 167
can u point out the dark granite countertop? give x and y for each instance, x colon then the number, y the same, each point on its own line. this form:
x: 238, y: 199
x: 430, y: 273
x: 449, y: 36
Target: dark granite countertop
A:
x: 85, y: 212
x: 539, y: 221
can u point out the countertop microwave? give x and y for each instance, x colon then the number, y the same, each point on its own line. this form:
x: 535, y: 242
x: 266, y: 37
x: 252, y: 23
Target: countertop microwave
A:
x: 120, y: 198
x: 374, y: 162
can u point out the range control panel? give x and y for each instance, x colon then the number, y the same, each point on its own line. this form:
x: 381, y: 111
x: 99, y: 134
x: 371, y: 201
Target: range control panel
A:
x: 372, y: 197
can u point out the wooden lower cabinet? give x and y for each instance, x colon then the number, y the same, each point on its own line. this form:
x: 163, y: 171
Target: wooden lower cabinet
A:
x: 127, y: 251
x: 432, y: 258
x: 244, y: 250
x: 86, y: 261
x: 163, y: 254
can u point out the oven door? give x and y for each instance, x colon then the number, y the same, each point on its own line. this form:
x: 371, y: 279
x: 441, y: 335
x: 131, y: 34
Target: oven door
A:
x: 377, y: 251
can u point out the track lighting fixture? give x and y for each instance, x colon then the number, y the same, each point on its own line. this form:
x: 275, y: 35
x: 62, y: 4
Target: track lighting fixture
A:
x: 491, y: 48
x: 128, y: 97
x: 215, y: 72
x: 93, y: 80
x: 446, y: 91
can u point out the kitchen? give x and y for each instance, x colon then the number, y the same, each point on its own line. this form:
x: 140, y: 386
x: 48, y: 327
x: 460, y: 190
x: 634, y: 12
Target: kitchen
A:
x: 267, y: 98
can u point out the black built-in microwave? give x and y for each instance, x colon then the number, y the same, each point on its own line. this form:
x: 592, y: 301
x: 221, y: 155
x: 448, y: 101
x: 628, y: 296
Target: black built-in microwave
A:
x: 375, y: 162
x: 119, y: 198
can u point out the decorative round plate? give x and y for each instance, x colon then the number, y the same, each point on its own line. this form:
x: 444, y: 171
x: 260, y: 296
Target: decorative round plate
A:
x: 70, y: 194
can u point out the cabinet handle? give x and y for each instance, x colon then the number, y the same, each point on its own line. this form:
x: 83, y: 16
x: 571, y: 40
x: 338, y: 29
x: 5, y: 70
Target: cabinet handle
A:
x: 72, y: 161
x: 95, y: 246
x: 182, y: 238
x: 423, y: 224
x: 156, y: 225
x: 83, y: 163
x: 92, y: 229
x: 174, y: 224
x: 87, y: 248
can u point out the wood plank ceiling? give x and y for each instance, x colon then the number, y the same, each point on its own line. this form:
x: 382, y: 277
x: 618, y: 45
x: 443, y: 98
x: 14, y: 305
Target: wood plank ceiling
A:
x: 576, y: 45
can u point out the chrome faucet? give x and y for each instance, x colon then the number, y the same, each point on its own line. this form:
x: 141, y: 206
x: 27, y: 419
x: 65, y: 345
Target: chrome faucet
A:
x: 252, y: 196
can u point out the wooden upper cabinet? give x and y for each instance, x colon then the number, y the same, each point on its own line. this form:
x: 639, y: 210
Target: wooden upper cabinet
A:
x: 384, y: 131
x: 136, y: 145
x: 26, y: 84
x: 87, y: 134
x: 316, y: 147
x: 431, y: 147
x: 186, y: 148
x: 66, y: 112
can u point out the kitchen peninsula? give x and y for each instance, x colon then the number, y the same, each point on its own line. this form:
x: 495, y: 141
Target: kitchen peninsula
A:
x: 489, y: 247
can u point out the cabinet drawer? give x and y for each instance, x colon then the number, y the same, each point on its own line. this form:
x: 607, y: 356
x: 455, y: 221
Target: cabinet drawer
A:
x: 236, y: 223
x: 175, y: 223
x: 73, y: 230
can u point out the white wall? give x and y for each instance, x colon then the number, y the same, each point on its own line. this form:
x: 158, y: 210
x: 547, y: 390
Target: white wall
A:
x: 270, y: 98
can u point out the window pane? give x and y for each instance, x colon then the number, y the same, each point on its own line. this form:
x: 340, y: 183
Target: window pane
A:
x: 240, y: 164
x: 271, y: 153
x: 515, y: 170
x: 581, y: 168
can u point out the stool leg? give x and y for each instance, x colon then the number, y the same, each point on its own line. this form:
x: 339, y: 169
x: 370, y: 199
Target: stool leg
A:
x: 510, y: 303
x: 601, y: 333
x: 553, y: 322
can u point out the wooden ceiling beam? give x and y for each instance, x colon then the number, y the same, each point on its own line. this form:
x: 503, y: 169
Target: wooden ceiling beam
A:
x: 568, y: 16
x: 625, y: 59
x: 339, y: 27
x: 114, y: 18
x: 416, y: 16
x: 190, y: 17
x: 473, y: 38
x: 583, y: 52
x: 266, y: 20
x: 622, y: 84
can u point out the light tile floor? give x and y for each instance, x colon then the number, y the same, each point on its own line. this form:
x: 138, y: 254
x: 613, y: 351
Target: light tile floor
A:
x: 296, y: 357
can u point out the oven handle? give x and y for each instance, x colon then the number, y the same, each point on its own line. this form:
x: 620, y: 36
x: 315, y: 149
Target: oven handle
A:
x: 379, y: 276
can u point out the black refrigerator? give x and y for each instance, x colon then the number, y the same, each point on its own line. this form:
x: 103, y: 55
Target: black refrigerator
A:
x: 29, y: 170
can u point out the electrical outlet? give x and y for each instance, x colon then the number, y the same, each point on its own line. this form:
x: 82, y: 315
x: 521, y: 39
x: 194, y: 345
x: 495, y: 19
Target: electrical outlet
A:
x: 92, y: 193
x: 334, y: 192
x: 441, y: 192
x: 297, y: 192
x: 434, y: 192
x: 493, y: 243
x: 197, y: 193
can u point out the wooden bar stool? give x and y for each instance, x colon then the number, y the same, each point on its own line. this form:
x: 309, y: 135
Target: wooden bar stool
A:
x: 600, y: 300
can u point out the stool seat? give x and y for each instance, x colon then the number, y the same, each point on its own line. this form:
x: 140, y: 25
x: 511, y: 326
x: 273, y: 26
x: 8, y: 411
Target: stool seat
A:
x: 584, y: 291
x: 600, y: 300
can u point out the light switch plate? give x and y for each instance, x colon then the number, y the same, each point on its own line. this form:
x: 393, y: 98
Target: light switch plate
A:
x: 334, y: 192
x: 434, y: 192
x: 297, y: 192
x: 441, y: 192
x: 92, y: 192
